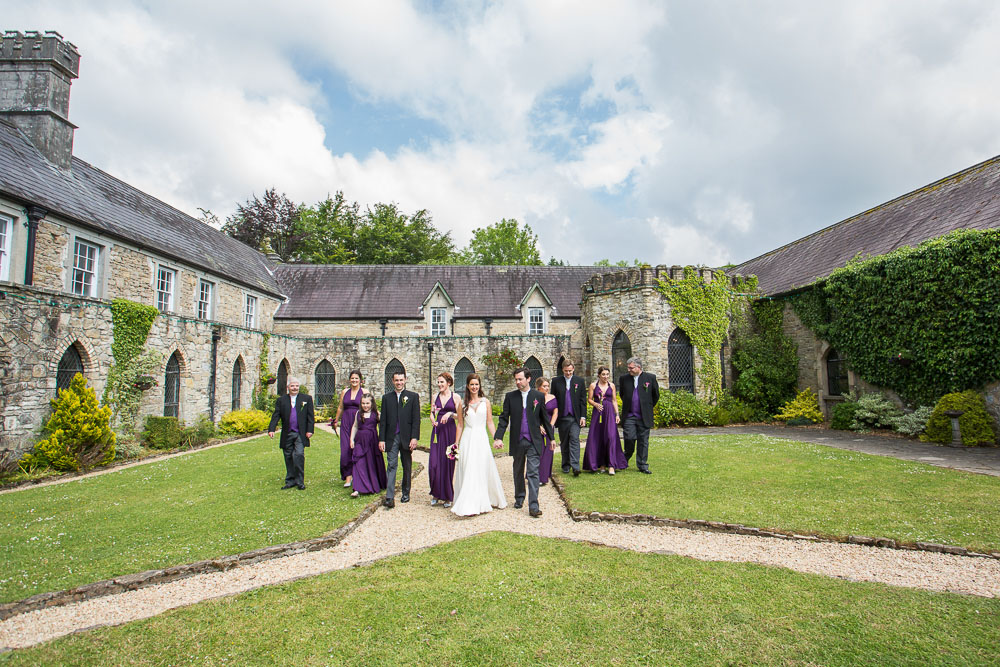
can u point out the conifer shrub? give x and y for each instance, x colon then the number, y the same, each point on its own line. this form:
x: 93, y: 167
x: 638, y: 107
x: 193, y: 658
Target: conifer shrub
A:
x: 162, y: 432
x: 805, y: 405
x: 243, y: 422
x: 79, y: 432
x: 976, y: 424
x: 875, y: 411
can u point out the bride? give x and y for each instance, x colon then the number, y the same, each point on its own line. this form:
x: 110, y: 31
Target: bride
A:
x: 477, y: 482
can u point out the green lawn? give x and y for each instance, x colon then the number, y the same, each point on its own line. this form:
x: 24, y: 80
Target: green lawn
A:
x: 208, y: 503
x: 502, y: 599
x: 795, y: 486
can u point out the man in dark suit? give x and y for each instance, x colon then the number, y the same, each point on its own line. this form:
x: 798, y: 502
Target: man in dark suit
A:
x: 295, y: 411
x: 639, y: 393
x: 571, y: 394
x: 524, y: 407
x: 400, y: 427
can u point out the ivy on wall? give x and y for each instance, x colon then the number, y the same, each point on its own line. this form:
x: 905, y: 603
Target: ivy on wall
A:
x: 704, y: 311
x: 261, y: 395
x: 765, y: 360
x: 923, y: 321
x: 130, y: 323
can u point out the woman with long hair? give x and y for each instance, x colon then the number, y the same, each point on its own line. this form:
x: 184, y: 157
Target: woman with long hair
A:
x: 444, y: 427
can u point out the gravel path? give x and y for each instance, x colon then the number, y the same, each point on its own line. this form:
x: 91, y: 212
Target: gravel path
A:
x: 417, y: 525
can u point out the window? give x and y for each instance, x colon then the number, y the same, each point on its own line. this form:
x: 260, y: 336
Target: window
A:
x: 172, y: 387
x: 535, y: 368
x: 250, y: 312
x: 536, y: 321
x: 85, y: 256
x: 237, y: 382
x: 393, y: 367
x: 70, y: 364
x: 680, y: 362
x: 6, y: 232
x: 438, y: 325
x: 463, y: 369
x: 326, y: 383
x: 621, y: 350
x: 205, y: 292
x: 165, y: 279
x: 836, y: 373
x: 282, y: 380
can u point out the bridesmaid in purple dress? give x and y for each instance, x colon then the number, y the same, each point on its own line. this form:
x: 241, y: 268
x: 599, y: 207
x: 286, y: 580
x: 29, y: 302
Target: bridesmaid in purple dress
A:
x: 350, y: 401
x: 545, y: 462
x: 368, y: 464
x: 604, y: 447
x: 441, y: 469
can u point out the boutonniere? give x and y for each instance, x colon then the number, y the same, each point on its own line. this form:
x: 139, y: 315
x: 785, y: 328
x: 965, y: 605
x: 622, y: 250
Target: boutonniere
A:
x: 535, y: 404
x: 575, y: 386
x: 647, y: 385
x: 405, y: 399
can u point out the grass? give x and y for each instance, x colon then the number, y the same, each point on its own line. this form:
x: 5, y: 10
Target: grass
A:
x: 773, y: 483
x: 206, y: 504
x: 501, y: 599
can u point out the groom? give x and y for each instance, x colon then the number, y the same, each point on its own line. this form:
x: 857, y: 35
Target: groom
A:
x: 399, y: 426
x: 524, y: 408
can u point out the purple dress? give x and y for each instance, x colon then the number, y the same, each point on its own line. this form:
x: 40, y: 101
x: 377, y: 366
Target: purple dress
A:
x: 368, y: 464
x: 604, y: 447
x: 351, y: 406
x: 441, y: 469
x: 545, y: 463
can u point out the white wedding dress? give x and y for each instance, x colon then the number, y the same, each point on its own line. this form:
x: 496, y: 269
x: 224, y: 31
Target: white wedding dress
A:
x: 477, y: 482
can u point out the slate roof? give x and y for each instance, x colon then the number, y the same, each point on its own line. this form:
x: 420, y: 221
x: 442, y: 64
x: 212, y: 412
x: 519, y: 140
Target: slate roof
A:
x: 969, y: 199
x: 91, y: 198
x: 396, y: 292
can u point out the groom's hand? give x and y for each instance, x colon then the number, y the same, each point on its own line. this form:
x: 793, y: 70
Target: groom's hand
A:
x: 497, y: 444
x: 583, y: 422
x: 381, y: 446
x: 413, y: 444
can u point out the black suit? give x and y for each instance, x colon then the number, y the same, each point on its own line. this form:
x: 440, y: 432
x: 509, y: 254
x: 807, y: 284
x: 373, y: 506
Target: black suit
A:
x: 525, y: 452
x: 292, y: 442
x: 636, y: 431
x: 569, y: 424
x: 402, y: 411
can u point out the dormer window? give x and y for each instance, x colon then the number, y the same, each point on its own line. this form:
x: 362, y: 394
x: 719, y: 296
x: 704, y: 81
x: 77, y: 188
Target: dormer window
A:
x: 536, y: 321
x: 439, y: 325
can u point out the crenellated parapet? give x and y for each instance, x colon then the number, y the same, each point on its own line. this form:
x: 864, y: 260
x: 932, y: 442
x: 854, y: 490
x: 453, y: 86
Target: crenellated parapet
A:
x: 646, y: 277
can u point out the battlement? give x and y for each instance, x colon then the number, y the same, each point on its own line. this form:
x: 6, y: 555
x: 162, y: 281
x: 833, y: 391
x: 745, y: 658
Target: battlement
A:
x: 33, y: 46
x: 647, y: 276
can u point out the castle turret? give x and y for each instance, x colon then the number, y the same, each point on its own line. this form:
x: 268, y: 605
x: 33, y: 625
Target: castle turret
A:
x: 36, y: 72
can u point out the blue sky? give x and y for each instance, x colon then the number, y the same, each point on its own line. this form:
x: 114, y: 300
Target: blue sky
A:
x: 673, y: 132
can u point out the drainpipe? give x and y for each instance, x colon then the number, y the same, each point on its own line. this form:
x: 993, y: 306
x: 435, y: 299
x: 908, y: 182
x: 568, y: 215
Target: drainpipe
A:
x: 430, y: 370
x: 216, y: 336
x: 35, y: 213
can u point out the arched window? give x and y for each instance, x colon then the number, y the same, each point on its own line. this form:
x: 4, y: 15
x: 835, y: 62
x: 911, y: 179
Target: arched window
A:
x: 172, y: 387
x: 282, y: 380
x: 680, y: 361
x: 326, y: 383
x: 836, y: 373
x: 535, y: 367
x: 237, y: 382
x: 463, y: 369
x: 621, y: 350
x: 70, y: 364
x: 393, y: 367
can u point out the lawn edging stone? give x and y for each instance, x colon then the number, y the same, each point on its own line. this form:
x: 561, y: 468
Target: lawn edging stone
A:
x: 740, y: 529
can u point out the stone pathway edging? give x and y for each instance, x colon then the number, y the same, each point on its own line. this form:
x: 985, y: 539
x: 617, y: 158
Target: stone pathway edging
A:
x: 740, y: 529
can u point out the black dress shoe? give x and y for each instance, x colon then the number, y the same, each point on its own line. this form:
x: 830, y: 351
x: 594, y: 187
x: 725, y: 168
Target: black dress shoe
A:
x: 535, y: 513
x: 388, y: 503
x: 647, y: 471
x: 576, y: 473
x: 287, y: 486
x: 518, y: 506
x: 566, y: 470
x: 302, y: 487
x: 404, y: 499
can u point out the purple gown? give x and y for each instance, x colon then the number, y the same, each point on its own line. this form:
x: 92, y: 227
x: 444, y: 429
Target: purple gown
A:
x: 604, y: 447
x: 545, y: 463
x: 368, y: 464
x: 441, y: 469
x: 351, y: 406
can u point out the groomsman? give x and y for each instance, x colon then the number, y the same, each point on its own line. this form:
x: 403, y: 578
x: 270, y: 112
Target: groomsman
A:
x: 571, y: 395
x: 295, y: 411
x: 399, y: 425
x: 639, y: 393
x: 524, y: 410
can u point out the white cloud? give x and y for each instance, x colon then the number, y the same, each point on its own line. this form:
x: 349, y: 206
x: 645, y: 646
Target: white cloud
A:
x: 627, y: 141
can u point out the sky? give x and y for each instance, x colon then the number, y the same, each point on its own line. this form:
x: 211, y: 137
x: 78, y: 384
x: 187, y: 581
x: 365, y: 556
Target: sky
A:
x: 696, y: 132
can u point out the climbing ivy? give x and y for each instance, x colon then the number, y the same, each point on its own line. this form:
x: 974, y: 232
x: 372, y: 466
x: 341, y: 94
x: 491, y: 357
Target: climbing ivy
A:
x: 130, y: 325
x: 704, y: 310
x: 261, y: 400
x: 765, y: 360
x: 935, y: 306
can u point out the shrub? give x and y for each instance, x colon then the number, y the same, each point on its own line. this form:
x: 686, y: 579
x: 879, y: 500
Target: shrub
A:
x: 244, y: 421
x: 805, y: 405
x: 913, y: 423
x: 738, y: 411
x: 875, y: 411
x: 682, y: 408
x: 975, y: 423
x: 162, y: 432
x: 765, y: 360
x: 721, y: 416
x: 200, y: 433
x: 842, y: 416
x: 80, y: 434
x: 127, y: 448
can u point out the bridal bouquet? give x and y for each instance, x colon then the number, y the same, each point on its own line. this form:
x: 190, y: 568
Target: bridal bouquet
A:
x: 452, y: 451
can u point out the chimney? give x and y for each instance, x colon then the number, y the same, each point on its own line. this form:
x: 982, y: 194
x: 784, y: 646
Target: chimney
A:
x: 36, y: 71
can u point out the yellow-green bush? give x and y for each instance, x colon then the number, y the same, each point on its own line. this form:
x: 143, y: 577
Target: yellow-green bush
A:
x: 976, y: 425
x: 244, y: 421
x: 805, y: 405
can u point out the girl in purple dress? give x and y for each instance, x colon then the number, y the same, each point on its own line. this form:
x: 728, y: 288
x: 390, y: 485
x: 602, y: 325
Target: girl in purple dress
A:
x: 545, y: 463
x: 367, y: 462
x: 440, y: 468
x: 604, y: 447
x: 347, y: 409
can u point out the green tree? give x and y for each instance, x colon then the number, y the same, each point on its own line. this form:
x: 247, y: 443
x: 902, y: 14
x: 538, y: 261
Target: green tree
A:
x: 504, y: 243
x: 266, y: 223
x: 328, y: 231
x: 389, y: 236
x: 79, y: 430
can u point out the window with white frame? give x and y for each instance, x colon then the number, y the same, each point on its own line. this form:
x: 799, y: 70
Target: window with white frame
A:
x: 250, y: 312
x: 206, y: 290
x: 165, y: 281
x: 85, y: 262
x: 6, y: 231
x: 536, y: 321
x: 438, y: 325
